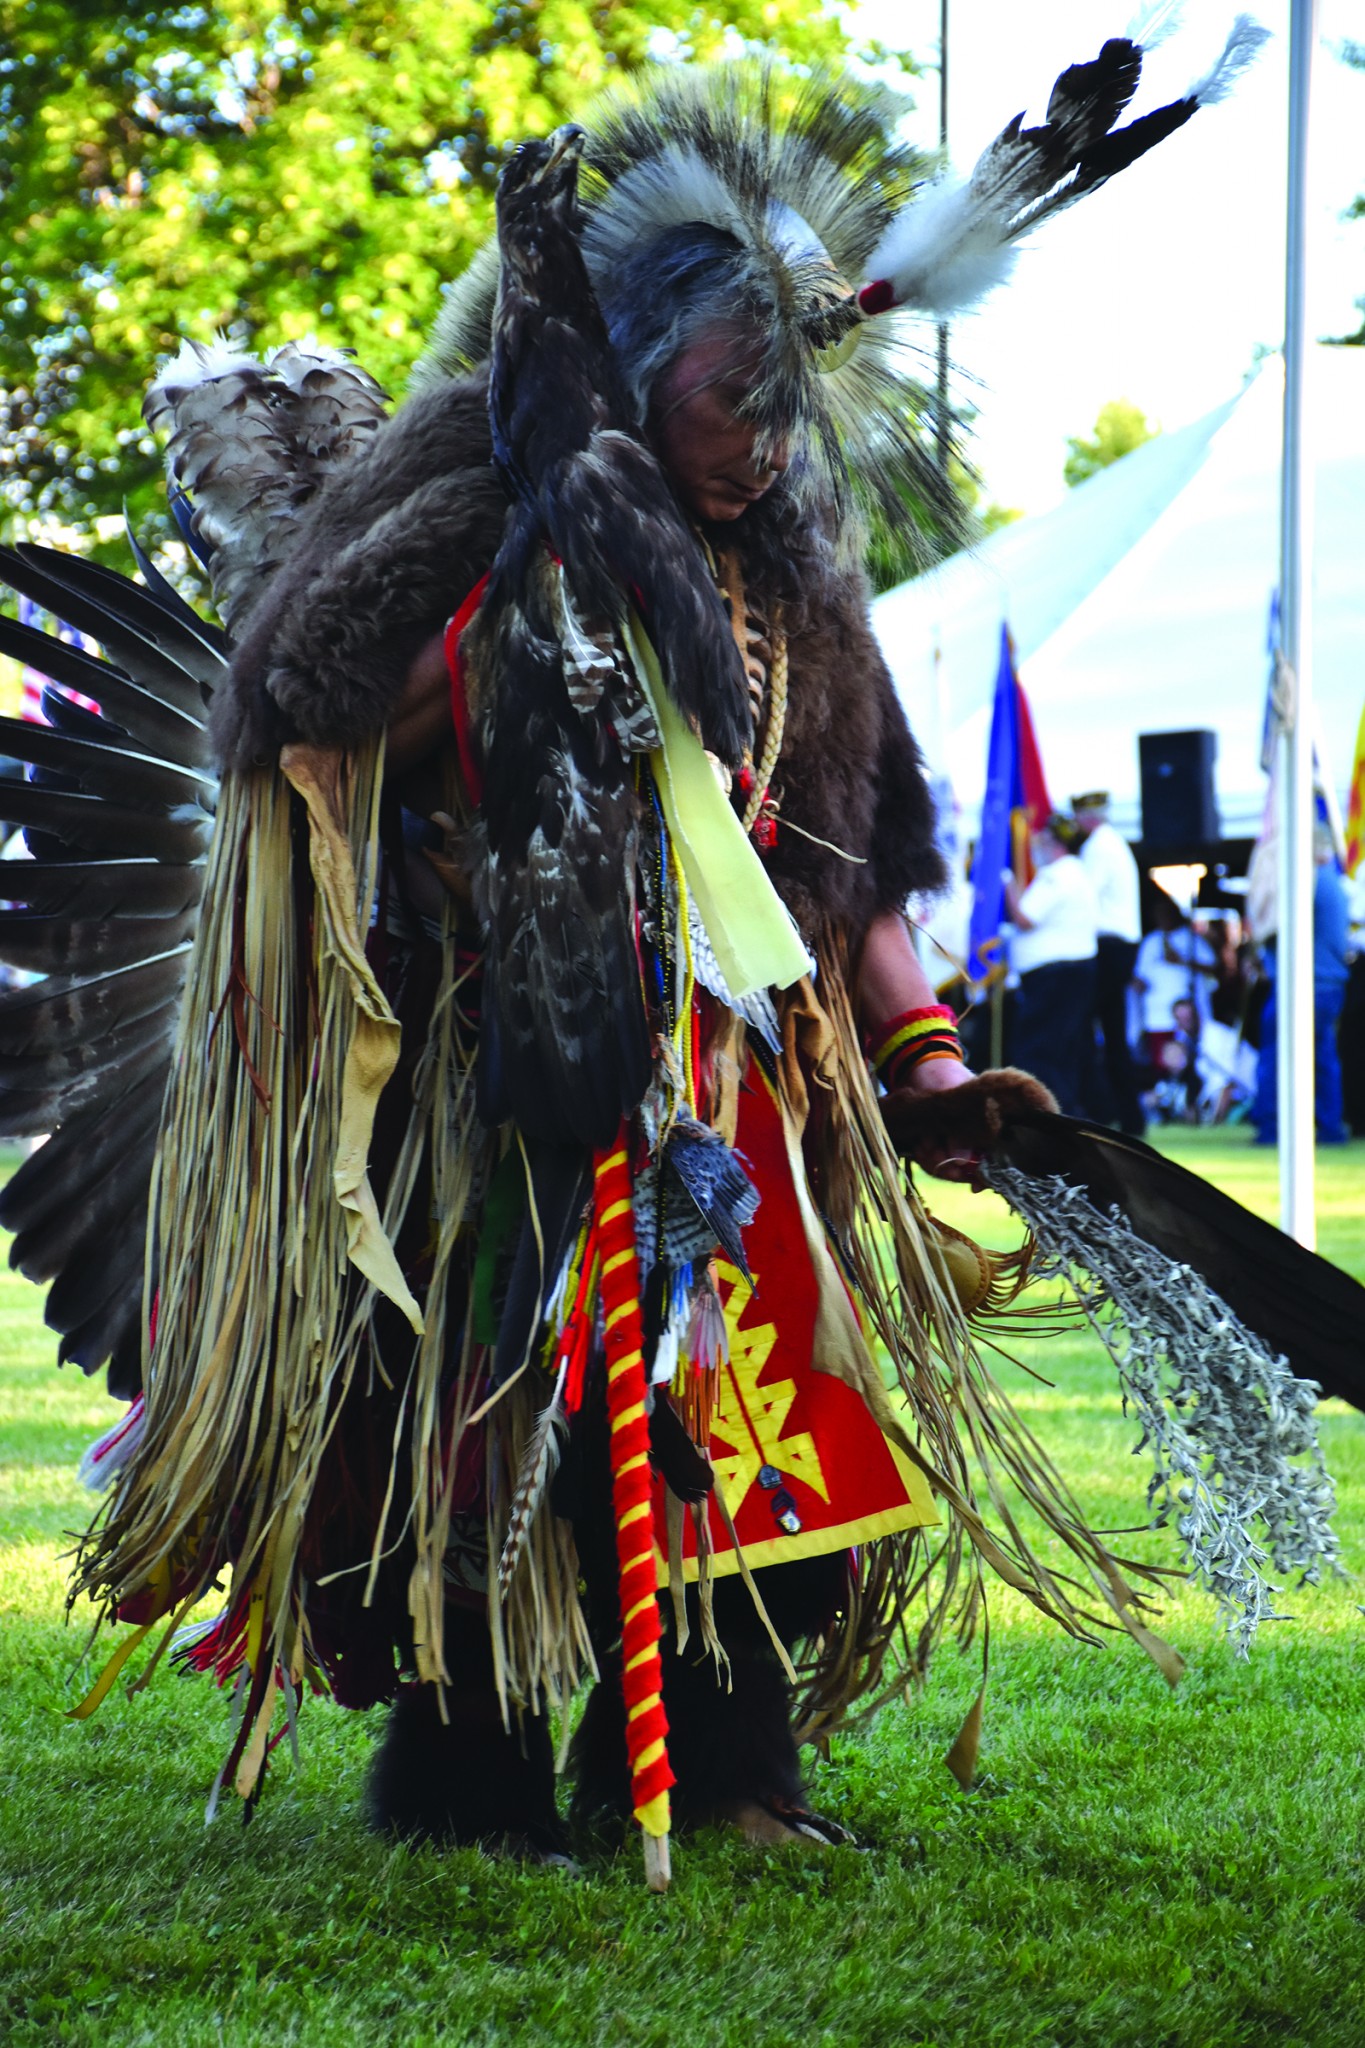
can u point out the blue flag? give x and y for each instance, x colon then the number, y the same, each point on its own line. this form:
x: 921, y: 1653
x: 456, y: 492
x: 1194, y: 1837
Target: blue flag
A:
x: 1004, y: 794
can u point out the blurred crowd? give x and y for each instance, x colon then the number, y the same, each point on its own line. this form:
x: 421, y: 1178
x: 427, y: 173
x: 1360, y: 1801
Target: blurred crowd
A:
x: 1137, y: 1009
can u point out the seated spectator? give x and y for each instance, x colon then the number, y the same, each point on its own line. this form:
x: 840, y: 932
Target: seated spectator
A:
x: 1175, y: 966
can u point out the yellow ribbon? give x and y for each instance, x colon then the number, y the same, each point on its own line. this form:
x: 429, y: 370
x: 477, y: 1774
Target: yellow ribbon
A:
x: 751, y: 932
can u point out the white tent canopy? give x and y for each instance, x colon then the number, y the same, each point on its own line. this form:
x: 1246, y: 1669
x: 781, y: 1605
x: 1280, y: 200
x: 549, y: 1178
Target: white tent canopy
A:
x: 1140, y: 604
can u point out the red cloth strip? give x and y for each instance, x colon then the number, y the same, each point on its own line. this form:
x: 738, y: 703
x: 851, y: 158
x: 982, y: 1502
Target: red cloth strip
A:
x: 459, y: 692
x: 642, y: 1669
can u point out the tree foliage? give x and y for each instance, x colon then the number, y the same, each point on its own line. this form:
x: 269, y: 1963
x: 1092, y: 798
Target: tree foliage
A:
x: 269, y: 170
x: 1120, y: 426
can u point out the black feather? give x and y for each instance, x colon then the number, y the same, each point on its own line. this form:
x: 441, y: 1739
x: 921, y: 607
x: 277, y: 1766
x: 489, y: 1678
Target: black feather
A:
x: 97, y: 1296
x: 63, y: 945
x: 168, y: 596
x: 44, y: 1250
x: 94, y: 824
x: 132, y: 889
x: 62, y: 1011
x: 1300, y: 1304
x: 92, y: 1070
x: 172, y: 629
x: 152, y: 724
x: 54, y: 582
x: 117, y: 812
x: 102, y: 763
x: 50, y: 1180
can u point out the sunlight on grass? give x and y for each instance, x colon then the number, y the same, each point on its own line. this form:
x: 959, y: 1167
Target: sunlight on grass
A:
x: 1178, y: 1869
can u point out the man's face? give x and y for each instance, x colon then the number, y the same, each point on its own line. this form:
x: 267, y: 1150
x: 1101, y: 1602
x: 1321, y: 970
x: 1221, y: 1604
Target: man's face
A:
x: 697, y: 432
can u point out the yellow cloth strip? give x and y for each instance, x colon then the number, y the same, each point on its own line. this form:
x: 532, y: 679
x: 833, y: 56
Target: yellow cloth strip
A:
x: 618, y: 1259
x: 653, y: 1816
x: 651, y: 1755
x: 627, y: 1416
x: 103, y: 1685
x: 617, y: 1209
x: 642, y: 1511
x: 753, y: 937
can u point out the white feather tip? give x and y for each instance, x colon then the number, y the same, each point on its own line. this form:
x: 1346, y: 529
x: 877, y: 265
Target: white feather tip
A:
x: 944, y: 253
x: 1245, y: 39
x: 203, y: 362
x: 1154, y: 22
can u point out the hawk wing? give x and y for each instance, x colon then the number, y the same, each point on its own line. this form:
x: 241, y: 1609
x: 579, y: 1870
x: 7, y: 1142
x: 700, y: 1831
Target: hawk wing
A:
x: 564, y: 1039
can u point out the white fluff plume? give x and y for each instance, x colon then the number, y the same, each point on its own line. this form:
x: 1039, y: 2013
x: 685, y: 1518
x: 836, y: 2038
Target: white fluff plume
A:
x: 1154, y: 22
x: 944, y: 253
x: 954, y: 244
x: 1244, y: 39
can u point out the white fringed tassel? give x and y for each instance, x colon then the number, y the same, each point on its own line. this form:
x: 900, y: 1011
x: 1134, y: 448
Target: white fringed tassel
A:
x: 1222, y: 1414
x: 109, y: 1453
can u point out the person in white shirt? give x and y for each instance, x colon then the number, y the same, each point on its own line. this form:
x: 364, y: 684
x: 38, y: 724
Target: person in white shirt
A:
x: 1053, y: 952
x: 1110, y: 1082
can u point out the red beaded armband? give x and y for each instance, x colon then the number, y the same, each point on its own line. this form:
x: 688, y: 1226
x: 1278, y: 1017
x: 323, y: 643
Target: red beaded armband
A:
x: 911, y: 1039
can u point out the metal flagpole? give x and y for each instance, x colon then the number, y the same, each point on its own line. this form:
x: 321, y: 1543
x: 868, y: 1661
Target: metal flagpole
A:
x: 1294, y: 942
x: 941, y: 401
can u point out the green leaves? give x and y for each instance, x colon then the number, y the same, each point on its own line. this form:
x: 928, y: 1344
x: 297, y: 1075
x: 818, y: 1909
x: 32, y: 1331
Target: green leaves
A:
x: 1120, y: 426
x: 273, y: 171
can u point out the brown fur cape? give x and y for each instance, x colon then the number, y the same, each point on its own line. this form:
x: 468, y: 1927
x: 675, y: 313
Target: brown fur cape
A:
x: 397, y: 539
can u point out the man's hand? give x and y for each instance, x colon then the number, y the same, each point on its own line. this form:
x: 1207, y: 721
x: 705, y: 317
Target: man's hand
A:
x: 944, y: 1153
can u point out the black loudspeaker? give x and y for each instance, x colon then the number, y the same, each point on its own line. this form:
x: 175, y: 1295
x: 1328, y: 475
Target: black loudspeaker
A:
x: 1178, y: 804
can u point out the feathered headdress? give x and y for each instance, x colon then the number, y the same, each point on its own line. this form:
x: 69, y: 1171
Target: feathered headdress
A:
x: 788, y: 210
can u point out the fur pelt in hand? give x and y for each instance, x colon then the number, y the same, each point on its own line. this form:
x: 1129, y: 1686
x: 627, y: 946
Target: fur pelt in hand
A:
x: 973, y: 1115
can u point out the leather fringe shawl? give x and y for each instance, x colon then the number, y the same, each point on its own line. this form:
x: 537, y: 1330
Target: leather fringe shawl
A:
x: 270, y: 1256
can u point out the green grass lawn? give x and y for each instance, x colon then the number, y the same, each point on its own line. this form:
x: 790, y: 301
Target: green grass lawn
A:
x: 1180, y: 1870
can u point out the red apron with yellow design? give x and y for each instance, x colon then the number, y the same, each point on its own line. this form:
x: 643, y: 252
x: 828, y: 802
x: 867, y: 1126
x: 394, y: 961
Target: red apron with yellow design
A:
x: 803, y: 1466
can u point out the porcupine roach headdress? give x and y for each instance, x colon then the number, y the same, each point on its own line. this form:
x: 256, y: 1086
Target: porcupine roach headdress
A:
x: 788, y: 210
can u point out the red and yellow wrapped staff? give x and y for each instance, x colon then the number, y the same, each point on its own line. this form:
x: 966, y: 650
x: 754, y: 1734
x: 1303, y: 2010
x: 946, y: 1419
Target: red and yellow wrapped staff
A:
x: 641, y: 1667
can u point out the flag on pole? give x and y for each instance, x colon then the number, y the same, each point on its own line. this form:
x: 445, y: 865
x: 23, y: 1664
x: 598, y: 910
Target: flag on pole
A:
x: 1355, y: 806
x: 1016, y: 803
